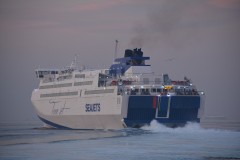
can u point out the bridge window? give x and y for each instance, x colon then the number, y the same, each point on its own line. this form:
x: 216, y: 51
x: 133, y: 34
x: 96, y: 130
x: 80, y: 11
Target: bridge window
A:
x: 103, y: 78
x: 157, y: 81
x: 145, y: 81
x: 154, y: 90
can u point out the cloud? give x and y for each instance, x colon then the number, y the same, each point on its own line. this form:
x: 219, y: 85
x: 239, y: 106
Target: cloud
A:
x: 97, y: 5
x: 62, y: 17
x: 225, y: 4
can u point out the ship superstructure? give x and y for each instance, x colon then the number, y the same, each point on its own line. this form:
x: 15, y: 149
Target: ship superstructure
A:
x: 128, y: 94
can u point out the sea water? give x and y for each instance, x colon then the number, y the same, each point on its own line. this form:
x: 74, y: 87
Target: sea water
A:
x: 31, y: 141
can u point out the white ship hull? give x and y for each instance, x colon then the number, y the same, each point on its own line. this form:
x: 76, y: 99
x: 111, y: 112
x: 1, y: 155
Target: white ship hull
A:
x: 72, y: 113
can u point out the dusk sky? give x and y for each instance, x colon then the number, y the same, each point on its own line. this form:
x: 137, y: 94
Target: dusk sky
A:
x: 199, y: 39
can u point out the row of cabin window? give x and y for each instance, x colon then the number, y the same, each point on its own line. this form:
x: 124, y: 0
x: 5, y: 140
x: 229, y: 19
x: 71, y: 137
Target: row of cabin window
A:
x: 83, y: 83
x: 59, y: 94
x: 56, y: 86
x: 147, y: 90
x: 79, y: 75
x: 61, y: 78
x: 99, y: 91
x: 76, y: 93
x: 66, y: 85
x: 146, y: 81
x: 160, y: 90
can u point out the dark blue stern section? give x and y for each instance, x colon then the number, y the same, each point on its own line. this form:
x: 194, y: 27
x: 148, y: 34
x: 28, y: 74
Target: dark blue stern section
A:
x: 172, y: 111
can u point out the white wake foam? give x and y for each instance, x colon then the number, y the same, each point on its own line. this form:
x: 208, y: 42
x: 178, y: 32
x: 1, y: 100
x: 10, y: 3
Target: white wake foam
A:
x: 190, y: 127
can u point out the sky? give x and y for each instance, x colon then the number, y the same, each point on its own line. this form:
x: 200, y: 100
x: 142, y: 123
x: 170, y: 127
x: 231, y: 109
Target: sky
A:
x: 197, y: 39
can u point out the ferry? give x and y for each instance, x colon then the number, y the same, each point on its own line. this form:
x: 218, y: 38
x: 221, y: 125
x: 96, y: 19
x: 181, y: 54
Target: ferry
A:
x: 127, y: 94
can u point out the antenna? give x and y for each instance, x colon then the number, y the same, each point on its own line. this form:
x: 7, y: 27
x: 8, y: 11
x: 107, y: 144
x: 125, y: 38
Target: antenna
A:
x: 116, y: 45
x: 74, y: 64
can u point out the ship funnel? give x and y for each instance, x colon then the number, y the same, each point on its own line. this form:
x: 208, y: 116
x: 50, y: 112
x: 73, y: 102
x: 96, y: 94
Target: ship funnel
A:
x: 128, y: 53
x: 133, y: 53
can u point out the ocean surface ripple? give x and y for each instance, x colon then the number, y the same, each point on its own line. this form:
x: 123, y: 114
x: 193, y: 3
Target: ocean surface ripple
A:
x: 31, y: 141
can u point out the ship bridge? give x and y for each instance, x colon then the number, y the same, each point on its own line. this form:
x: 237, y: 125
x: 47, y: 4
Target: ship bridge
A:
x: 133, y: 62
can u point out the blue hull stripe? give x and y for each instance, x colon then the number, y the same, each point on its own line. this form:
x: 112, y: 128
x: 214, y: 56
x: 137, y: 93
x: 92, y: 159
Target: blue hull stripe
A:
x: 53, y: 124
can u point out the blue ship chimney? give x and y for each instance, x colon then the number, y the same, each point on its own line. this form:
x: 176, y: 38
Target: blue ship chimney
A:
x: 131, y: 58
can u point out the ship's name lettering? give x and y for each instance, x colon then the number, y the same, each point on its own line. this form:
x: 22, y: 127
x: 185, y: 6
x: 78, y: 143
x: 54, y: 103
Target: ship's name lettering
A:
x: 96, y: 107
